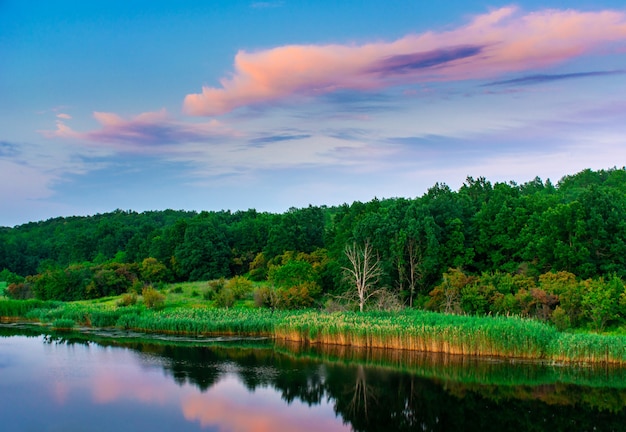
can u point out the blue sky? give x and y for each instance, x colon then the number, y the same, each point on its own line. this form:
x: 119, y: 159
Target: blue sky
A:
x: 209, y: 105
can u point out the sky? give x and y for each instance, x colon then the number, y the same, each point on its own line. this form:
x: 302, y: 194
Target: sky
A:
x: 231, y: 105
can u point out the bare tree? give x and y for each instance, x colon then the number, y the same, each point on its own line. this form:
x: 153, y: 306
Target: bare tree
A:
x: 364, y: 271
x: 363, y: 393
x: 415, y: 267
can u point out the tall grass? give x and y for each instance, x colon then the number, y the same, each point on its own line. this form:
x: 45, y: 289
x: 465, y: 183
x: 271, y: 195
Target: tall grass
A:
x: 410, y: 330
x: 204, y: 321
x: 20, y: 308
x: 422, y: 331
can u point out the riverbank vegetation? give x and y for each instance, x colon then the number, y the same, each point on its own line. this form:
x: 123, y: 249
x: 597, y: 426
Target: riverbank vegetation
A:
x: 534, y: 259
x: 408, y: 329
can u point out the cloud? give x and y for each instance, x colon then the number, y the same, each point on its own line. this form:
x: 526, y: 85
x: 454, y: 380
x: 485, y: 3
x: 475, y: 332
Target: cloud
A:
x: 264, y: 411
x: 501, y: 41
x: 146, y: 129
x: 541, y: 78
x: 278, y: 138
x: 8, y: 150
x: 406, y: 63
x: 64, y: 116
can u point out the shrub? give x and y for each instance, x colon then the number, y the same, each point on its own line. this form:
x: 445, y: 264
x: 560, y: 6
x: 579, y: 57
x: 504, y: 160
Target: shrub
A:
x: 560, y: 319
x: 19, y: 291
x: 240, y: 286
x: 264, y: 297
x: 387, y: 301
x: 128, y: 299
x: 299, y: 296
x: 225, y: 298
x: 152, y: 298
x: 217, y: 284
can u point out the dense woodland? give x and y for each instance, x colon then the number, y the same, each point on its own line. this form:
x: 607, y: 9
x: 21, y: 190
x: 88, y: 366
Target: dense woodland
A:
x: 553, y: 251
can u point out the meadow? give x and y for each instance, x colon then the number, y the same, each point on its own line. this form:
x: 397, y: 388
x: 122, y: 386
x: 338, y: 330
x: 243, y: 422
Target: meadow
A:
x: 185, y: 311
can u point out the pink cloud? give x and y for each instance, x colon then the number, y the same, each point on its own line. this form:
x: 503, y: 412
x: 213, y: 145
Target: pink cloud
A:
x: 150, y: 128
x: 501, y: 41
x: 243, y: 412
x: 64, y: 116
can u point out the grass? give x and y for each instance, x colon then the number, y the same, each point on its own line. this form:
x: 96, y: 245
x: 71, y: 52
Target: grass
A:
x: 410, y: 330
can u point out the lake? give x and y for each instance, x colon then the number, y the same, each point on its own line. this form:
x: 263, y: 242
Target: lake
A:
x: 91, y: 382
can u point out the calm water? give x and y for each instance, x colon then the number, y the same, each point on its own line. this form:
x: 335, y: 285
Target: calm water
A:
x: 71, y: 383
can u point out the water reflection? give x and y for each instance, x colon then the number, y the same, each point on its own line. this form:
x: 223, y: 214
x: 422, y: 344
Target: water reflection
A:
x: 263, y: 387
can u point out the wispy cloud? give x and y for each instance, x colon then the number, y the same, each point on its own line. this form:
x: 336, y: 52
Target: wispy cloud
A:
x: 277, y: 138
x: 542, y: 78
x: 8, y: 149
x: 146, y: 129
x: 501, y: 41
x: 407, y: 63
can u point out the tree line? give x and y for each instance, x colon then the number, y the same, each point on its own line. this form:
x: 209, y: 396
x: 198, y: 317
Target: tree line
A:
x: 577, y: 226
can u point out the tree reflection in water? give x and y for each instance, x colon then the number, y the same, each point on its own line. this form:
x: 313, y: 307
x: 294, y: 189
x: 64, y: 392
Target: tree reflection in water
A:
x: 376, y: 390
x: 432, y: 393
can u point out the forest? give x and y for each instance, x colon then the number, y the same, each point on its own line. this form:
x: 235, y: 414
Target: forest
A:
x: 556, y: 252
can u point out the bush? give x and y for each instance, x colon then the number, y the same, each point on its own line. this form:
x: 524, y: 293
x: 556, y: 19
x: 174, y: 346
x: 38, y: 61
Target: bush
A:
x: 225, y: 298
x: 299, y: 296
x: 240, y: 286
x: 265, y: 297
x: 388, y: 301
x: 152, y: 298
x: 128, y: 299
x: 560, y: 319
x: 217, y: 284
x: 20, y: 291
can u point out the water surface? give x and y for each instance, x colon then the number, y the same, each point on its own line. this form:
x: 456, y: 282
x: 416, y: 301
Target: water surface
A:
x: 87, y: 383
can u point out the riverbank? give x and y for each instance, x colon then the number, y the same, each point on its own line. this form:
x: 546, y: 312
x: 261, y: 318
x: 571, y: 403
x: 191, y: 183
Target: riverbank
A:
x: 413, y: 330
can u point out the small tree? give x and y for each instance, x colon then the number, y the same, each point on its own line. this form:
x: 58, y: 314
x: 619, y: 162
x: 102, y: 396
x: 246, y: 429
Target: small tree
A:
x: 364, y: 271
x: 152, y: 298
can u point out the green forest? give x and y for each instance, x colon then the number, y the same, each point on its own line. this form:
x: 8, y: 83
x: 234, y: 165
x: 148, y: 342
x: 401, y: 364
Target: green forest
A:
x: 555, y: 252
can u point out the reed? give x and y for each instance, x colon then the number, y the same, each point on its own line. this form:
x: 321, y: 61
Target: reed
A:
x: 202, y: 321
x: 411, y: 330
x: 19, y: 308
x: 63, y: 324
x: 422, y: 331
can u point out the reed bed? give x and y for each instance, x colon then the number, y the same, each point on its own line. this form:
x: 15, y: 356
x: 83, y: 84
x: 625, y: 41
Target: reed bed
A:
x: 201, y: 321
x: 423, y: 331
x: 411, y: 330
x: 19, y: 308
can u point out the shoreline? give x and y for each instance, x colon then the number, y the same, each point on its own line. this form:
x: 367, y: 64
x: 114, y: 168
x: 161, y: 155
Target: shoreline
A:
x: 503, y: 338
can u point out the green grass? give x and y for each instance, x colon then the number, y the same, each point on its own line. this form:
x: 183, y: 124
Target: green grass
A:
x: 412, y: 330
x: 63, y: 324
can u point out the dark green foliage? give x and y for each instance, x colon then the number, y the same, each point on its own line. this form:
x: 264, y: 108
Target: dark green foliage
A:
x: 505, y: 234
